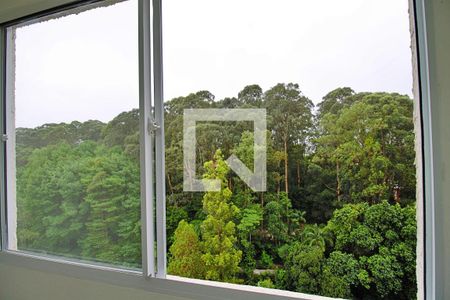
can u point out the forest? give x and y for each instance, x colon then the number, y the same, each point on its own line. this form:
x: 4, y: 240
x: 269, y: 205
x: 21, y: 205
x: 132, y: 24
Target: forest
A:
x: 338, y: 217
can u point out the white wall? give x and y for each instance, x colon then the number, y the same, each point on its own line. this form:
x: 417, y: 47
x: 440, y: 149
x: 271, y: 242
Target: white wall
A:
x: 438, y: 28
x: 17, y: 283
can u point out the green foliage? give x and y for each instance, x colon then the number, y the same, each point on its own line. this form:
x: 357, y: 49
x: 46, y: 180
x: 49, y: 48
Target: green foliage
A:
x: 312, y: 236
x: 124, y: 125
x: 303, y: 265
x: 173, y: 217
x: 251, y: 95
x: 382, y: 238
x: 250, y: 220
x: 277, y: 230
x: 52, y: 134
x: 266, y: 283
x: 290, y: 118
x: 185, y: 253
x: 49, y: 193
x: 372, y: 253
x: 335, y: 101
x: 113, y: 195
x: 326, y: 225
x: 220, y: 256
x: 340, y: 272
x: 82, y: 201
x: 370, y: 143
x: 281, y: 219
x: 266, y: 260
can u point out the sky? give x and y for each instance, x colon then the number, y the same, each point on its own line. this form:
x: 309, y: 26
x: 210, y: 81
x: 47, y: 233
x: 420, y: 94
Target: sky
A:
x: 85, y: 66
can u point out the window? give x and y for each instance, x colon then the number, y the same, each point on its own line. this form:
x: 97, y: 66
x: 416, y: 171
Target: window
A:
x: 73, y: 136
x: 339, y: 200
x: 278, y: 151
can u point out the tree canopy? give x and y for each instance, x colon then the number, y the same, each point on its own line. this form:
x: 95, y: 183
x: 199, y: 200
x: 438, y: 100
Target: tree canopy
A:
x: 337, y: 219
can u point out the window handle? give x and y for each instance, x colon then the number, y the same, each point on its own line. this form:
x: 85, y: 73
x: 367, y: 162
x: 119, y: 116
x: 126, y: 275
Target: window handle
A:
x: 4, y: 137
x: 153, y: 126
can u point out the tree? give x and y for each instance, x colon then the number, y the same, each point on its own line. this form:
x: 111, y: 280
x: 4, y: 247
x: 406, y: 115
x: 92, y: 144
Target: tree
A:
x: 250, y: 220
x: 368, y: 144
x: 251, y: 95
x: 290, y: 118
x: 174, y: 215
x: 173, y: 119
x: 303, y: 265
x: 119, y: 128
x: 312, y: 236
x: 340, y: 273
x: 78, y: 193
x: 319, y: 196
x: 335, y: 100
x: 185, y: 253
x: 50, y: 194
x: 382, y: 239
x: 113, y: 195
x: 220, y: 256
x: 282, y: 221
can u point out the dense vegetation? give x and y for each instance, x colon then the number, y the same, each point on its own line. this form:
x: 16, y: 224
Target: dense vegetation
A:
x: 338, y: 218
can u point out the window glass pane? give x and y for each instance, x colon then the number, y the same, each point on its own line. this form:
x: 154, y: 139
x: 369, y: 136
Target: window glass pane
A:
x: 73, y: 123
x: 333, y: 80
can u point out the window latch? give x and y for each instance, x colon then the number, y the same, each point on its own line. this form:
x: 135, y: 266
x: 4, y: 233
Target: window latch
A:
x: 153, y: 126
x: 4, y: 137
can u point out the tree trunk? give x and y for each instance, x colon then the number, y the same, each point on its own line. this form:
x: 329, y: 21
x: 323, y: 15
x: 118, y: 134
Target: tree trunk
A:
x: 286, y: 178
x: 338, y: 183
x: 261, y: 196
x: 170, y: 184
x: 298, y: 174
x: 397, y: 194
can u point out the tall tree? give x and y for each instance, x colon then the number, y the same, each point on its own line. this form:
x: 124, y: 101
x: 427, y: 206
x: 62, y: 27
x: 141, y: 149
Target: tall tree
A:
x: 221, y: 257
x: 335, y: 100
x: 369, y: 146
x: 51, y: 211
x: 185, y: 253
x: 251, y: 95
x: 113, y: 196
x: 119, y: 128
x: 290, y: 119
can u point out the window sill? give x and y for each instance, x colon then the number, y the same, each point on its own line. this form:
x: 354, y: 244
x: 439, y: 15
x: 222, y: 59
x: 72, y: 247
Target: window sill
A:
x: 172, y: 285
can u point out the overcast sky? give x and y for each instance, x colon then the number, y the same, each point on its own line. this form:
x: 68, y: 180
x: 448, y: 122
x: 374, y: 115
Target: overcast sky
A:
x: 85, y: 66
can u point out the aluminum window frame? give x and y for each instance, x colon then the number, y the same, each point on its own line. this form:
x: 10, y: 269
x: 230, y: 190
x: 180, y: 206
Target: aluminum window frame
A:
x: 153, y: 277
x: 10, y: 141
x: 146, y: 139
x: 8, y: 213
x: 161, y: 256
